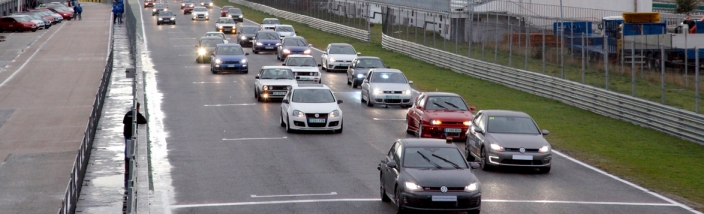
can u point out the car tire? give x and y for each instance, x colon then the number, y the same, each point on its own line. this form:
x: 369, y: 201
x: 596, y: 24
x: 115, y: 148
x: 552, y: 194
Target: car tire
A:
x: 288, y: 126
x: 369, y: 102
x: 277, y: 56
x: 348, y: 81
x: 198, y: 59
x: 382, y: 191
x: 397, y: 198
x: 35, y: 30
x: 484, y: 162
x: 255, y: 52
x: 470, y: 157
x: 19, y: 29
x: 157, y: 23
x: 544, y: 170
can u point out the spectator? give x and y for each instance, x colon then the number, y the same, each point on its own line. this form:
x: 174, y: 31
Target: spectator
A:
x: 127, y: 132
x: 117, y: 10
x: 691, y: 24
x: 78, y: 10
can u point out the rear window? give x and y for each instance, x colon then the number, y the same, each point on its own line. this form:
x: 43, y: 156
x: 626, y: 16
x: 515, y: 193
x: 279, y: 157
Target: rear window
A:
x: 271, y: 22
x: 211, y: 42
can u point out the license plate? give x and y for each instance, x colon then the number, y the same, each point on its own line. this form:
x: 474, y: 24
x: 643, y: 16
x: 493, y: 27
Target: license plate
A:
x: 230, y: 66
x: 316, y: 120
x: 269, y: 47
x: 453, y: 130
x: 279, y: 93
x: 448, y: 198
x: 343, y: 65
x: 392, y: 96
x: 166, y: 20
x: 522, y: 157
x: 305, y: 78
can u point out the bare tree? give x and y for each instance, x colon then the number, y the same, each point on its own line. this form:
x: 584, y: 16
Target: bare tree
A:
x: 686, y: 6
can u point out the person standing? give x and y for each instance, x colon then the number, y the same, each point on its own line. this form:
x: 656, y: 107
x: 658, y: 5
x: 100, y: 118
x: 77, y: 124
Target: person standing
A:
x: 117, y: 10
x: 691, y: 24
x: 78, y: 10
x: 127, y: 133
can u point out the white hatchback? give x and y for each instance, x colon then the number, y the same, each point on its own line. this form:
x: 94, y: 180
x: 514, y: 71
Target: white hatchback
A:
x: 311, y: 107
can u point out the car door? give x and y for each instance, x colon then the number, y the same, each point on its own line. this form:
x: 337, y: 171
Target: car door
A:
x: 477, y: 139
x: 324, y: 57
x: 387, y: 174
x: 366, y: 85
x: 285, y: 106
x: 416, y: 112
x: 257, y: 81
x: 212, y: 57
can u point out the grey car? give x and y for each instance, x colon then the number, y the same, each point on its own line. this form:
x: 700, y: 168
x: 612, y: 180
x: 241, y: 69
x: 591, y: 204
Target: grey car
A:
x: 388, y: 87
x: 206, y: 46
x: 359, y: 68
x: 507, y: 138
x: 245, y: 34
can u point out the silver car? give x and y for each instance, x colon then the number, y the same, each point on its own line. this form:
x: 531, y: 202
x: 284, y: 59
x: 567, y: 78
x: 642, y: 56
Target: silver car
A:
x: 507, y: 138
x: 386, y: 87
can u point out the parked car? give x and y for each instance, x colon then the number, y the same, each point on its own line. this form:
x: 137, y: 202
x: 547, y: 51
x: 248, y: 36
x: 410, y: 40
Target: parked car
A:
x: 19, y: 24
x: 48, y: 20
x: 36, y: 20
x: 439, y: 115
x: 46, y: 12
x: 229, y: 57
x: 359, y: 68
x: 65, y: 13
x: 166, y: 17
x: 386, y: 86
x: 293, y: 45
x: 245, y: 35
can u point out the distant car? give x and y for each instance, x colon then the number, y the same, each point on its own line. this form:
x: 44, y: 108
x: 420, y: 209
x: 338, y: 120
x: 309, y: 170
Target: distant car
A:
x: 49, y: 14
x: 216, y: 34
x: 507, y: 138
x: 265, y: 41
x: 223, y: 10
x: 38, y: 21
x: 19, y: 24
x: 229, y: 57
x: 166, y: 17
x: 338, y: 56
x: 66, y: 14
x: 269, y: 23
x: 311, y: 107
x: 206, y: 46
x: 59, y: 5
x: 245, y: 35
x: 188, y: 8
x: 47, y: 20
x: 200, y: 13
x: 158, y: 7
x: 386, y: 87
x: 272, y: 82
x: 206, y: 3
x: 226, y: 25
x: 236, y: 14
x: 148, y: 3
x: 360, y: 67
x: 439, y: 115
x: 304, y: 68
x: 428, y: 174
x: 185, y: 3
x: 285, y: 31
x: 292, y: 45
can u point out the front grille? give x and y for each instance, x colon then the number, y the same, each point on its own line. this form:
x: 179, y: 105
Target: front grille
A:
x: 519, y: 150
x: 320, y: 116
x: 522, y: 162
x: 392, y: 100
x: 393, y: 92
x: 306, y: 74
x: 201, y: 16
x: 452, y: 123
x: 231, y: 62
x: 166, y: 19
x: 278, y: 87
x: 428, y: 203
x: 449, y: 189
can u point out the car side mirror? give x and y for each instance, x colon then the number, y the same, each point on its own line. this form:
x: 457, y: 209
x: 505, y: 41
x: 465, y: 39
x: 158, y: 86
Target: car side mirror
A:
x: 339, y: 101
x: 284, y: 64
x: 285, y: 101
x: 388, y: 66
x: 410, y: 82
x: 391, y: 164
x: 310, y: 45
x: 472, y: 108
x: 474, y: 165
x: 545, y: 132
x: 256, y: 77
x: 359, y: 53
x: 246, y: 54
x: 478, y: 130
x: 319, y: 65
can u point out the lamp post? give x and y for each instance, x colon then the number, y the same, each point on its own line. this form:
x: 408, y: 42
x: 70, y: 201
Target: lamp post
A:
x: 562, y: 43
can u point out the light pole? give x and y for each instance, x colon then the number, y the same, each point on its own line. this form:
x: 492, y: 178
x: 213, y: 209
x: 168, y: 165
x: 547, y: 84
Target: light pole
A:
x: 562, y: 43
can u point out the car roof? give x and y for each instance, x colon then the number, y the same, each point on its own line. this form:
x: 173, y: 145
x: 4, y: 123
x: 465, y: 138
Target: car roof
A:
x: 252, y: 26
x: 210, y: 37
x: 299, y: 56
x: 228, y: 45
x: 283, y: 25
x: 294, y: 37
x: 426, y: 142
x: 367, y: 57
x: 271, y: 19
x: 318, y: 86
x: 275, y: 67
x: 390, y: 70
x: 340, y: 44
x: 214, y: 32
x: 441, y: 94
x: 504, y: 113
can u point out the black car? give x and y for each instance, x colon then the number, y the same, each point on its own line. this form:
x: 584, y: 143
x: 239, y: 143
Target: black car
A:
x: 206, y: 47
x: 206, y: 3
x: 359, y: 68
x: 184, y: 3
x: 245, y: 35
x: 166, y: 17
x: 236, y: 14
x: 429, y: 174
x: 292, y: 45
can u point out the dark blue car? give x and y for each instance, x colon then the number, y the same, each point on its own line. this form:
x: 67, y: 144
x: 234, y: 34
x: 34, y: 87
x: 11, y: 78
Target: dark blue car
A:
x: 229, y: 58
x: 265, y: 41
x: 292, y: 45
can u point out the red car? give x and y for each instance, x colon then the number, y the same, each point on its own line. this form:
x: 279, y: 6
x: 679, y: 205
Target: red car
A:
x: 148, y: 3
x: 439, y: 115
x: 188, y: 8
x: 19, y: 24
x: 223, y: 12
x: 66, y: 14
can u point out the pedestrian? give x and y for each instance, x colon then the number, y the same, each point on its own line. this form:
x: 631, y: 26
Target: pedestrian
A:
x: 73, y: 3
x: 127, y: 133
x: 78, y: 10
x: 691, y: 24
x: 117, y: 10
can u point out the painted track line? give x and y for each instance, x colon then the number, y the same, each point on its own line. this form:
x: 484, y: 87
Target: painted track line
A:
x: 577, y: 202
x: 30, y: 57
x: 275, y: 202
x: 255, y: 138
x: 293, y: 195
x: 241, y: 104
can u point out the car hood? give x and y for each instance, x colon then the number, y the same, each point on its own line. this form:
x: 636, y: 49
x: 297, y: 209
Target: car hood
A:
x: 209, y: 49
x: 277, y: 82
x: 200, y: 12
x: 312, y: 108
x: 363, y: 71
x: 269, y: 41
x: 225, y: 24
x: 249, y: 36
x: 527, y: 141
x: 286, y: 33
x: 268, y: 26
x: 449, y: 115
x: 230, y: 57
x: 346, y: 57
x: 440, y: 177
x: 303, y: 69
x: 391, y: 86
x: 164, y: 16
x: 296, y: 48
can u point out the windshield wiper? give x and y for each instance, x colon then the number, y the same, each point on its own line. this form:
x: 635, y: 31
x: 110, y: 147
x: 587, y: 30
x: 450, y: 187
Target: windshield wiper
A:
x: 448, y: 161
x: 429, y: 161
x: 441, y: 106
x: 453, y: 105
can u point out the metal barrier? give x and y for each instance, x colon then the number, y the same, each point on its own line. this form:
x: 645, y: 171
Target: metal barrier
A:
x: 676, y: 122
x: 323, y: 25
x: 132, y: 151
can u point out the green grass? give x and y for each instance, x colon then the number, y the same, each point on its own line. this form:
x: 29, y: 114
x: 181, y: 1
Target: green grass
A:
x: 649, y: 158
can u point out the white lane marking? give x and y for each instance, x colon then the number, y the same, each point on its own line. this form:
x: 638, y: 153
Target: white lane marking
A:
x: 30, y: 57
x: 627, y: 183
x: 577, y: 202
x: 182, y: 38
x: 275, y: 202
x: 210, y: 82
x: 178, y: 46
x: 186, y: 55
x: 144, y: 33
x: 256, y: 138
x: 386, y: 119
x: 240, y: 104
x: 292, y: 195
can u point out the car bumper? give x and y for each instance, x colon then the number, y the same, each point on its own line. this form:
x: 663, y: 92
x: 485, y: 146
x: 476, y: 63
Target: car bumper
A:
x: 338, y: 65
x: 284, y: 55
x: 231, y: 68
x: 167, y: 21
x: 246, y: 43
x: 264, y: 48
x: 314, y: 79
x: 518, y: 159
x: 388, y: 99
x: 227, y: 30
x: 443, y: 132
x: 200, y: 18
x: 466, y: 201
x: 329, y: 125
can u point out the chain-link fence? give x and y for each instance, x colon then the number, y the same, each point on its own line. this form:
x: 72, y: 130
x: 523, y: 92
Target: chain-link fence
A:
x: 347, y: 12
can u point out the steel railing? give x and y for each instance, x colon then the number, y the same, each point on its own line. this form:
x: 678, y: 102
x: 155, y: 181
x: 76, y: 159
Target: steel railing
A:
x: 676, y: 122
x: 316, y: 23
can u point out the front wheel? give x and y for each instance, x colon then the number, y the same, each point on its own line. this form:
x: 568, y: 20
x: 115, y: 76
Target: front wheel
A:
x: 399, y: 207
x: 288, y: 126
x: 282, y: 121
x: 485, y: 160
x: 470, y: 157
x: 369, y: 100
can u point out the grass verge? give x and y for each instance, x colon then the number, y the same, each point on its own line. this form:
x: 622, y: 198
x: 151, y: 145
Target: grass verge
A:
x: 646, y: 157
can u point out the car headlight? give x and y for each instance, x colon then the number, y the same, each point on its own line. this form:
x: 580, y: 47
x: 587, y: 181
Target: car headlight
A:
x: 471, y: 187
x: 259, y: 44
x: 277, y: 44
x: 165, y: 9
x: 360, y: 76
x: 201, y: 51
x: 218, y: 61
x: 496, y: 147
x: 160, y: 19
x: 332, y: 59
x: 377, y: 91
x: 297, y: 113
x: 412, y: 186
x: 183, y: 5
x: 544, y: 149
x: 211, y: 4
x: 240, y: 16
x: 335, y: 113
x: 220, y: 27
x: 243, y: 38
x: 467, y: 123
x: 153, y: 10
x: 266, y: 87
x: 406, y: 92
x: 243, y: 61
x: 435, y: 122
x: 306, y: 51
x: 287, y: 51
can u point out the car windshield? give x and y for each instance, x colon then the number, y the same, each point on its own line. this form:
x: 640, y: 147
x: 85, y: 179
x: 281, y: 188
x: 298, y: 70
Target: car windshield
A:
x: 220, y: 35
x: 433, y: 157
x: 312, y: 96
x: 160, y: 5
x: 230, y: 50
x: 267, y: 35
x: 342, y: 50
x: 512, y: 125
x: 234, y: 10
x: 301, y: 61
x: 249, y: 30
x: 388, y: 77
x: 370, y: 63
x: 166, y: 13
x: 22, y: 18
x: 295, y: 42
x: 211, y: 42
x: 277, y: 73
x: 284, y: 29
x: 445, y: 103
x: 199, y: 9
x: 187, y: 1
x: 271, y: 22
x: 226, y: 20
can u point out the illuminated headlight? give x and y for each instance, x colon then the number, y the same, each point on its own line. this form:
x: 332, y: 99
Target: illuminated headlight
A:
x: 306, y: 51
x: 277, y: 44
x: 360, y: 76
x: 496, y: 147
x: 467, y: 123
x: 220, y: 27
x: 435, y: 122
x: 471, y: 187
x: 544, y: 149
x: 377, y: 91
x: 266, y: 87
x: 160, y: 19
x: 335, y: 113
x: 240, y: 16
x: 218, y: 61
x: 154, y: 9
x: 201, y: 4
x: 165, y: 9
x: 243, y: 38
x: 286, y: 51
x: 201, y: 51
x: 412, y: 186
x: 332, y: 59
x: 211, y: 4
x: 183, y: 5
x: 243, y: 61
x: 297, y: 113
x: 406, y: 92
x: 259, y: 44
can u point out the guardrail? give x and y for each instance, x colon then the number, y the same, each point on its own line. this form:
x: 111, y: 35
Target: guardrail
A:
x: 323, y: 25
x: 676, y: 122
